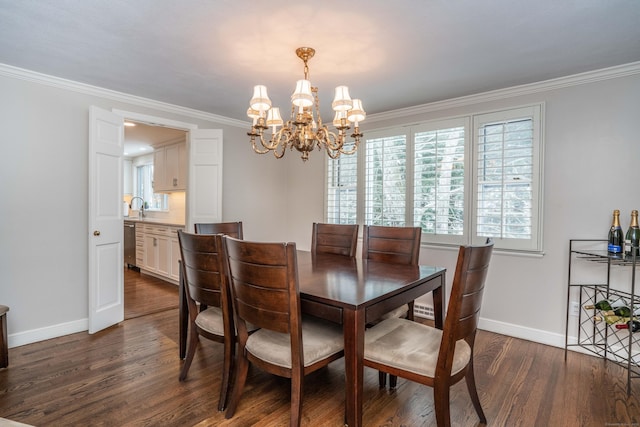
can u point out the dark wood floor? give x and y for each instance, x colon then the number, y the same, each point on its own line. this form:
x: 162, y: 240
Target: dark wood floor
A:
x: 127, y: 375
x: 144, y: 294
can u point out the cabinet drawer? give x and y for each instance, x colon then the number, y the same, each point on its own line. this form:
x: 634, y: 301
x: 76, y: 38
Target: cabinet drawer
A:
x: 156, y: 229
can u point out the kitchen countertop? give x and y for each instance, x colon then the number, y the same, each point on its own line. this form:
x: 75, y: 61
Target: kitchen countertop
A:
x: 153, y: 221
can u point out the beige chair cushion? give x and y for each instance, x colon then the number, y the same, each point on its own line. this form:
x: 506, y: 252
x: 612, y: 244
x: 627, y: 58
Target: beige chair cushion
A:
x: 211, y: 321
x: 410, y: 346
x: 320, y: 339
x: 397, y: 312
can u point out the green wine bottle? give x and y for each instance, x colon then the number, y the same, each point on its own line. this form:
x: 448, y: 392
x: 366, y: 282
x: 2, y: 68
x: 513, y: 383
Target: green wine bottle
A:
x: 623, y: 311
x: 611, y: 320
x: 632, y: 237
x: 605, y: 305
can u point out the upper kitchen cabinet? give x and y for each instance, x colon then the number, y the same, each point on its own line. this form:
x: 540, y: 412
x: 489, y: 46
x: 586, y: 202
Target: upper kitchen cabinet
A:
x: 170, y: 168
x: 127, y: 166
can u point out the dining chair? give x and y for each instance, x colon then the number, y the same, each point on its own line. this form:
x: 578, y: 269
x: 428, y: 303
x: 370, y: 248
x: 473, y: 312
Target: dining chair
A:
x: 434, y: 357
x: 233, y: 229
x: 340, y: 239
x: 202, y: 269
x: 263, y: 279
x: 398, y: 245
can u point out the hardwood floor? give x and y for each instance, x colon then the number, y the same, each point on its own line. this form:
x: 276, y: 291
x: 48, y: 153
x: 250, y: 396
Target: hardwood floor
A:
x: 127, y: 375
x: 144, y: 294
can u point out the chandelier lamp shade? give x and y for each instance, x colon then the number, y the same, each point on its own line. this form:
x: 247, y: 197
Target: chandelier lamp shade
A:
x: 305, y: 130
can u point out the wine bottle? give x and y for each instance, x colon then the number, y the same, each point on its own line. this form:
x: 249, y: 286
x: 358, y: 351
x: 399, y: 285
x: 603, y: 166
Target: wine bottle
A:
x: 611, y: 320
x: 605, y: 305
x: 632, y: 238
x: 634, y: 325
x: 623, y: 311
x: 616, y: 239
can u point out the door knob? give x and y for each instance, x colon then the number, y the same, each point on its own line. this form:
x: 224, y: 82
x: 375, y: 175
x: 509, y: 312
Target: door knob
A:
x: 96, y: 233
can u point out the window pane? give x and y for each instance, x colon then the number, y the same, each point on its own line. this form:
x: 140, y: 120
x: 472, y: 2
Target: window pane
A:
x: 439, y: 181
x: 153, y: 201
x: 505, y: 179
x: 385, y: 180
x: 342, y: 191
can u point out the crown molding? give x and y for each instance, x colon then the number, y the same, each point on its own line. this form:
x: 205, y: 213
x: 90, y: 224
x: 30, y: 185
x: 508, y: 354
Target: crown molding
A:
x: 57, y: 82
x: 527, y: 89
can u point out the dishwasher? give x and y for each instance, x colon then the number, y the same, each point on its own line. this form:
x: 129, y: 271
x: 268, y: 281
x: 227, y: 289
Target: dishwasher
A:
x: 130, y: 244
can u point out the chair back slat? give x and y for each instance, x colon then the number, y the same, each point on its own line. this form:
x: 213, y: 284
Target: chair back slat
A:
x: 399, y: 245
x: 340, y: 239
x: 264, y: 283
x: 233, y: 229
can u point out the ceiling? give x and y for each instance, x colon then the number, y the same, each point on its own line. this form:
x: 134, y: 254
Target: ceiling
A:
x: 141, y: 138
x: 208, y: 54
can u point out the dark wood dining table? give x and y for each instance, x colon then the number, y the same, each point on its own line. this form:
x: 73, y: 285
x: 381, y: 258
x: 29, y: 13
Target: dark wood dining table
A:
x: 353, y: 292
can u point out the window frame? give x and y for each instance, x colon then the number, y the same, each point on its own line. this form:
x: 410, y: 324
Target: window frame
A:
x: 471, y: 123
x: 535, y: 112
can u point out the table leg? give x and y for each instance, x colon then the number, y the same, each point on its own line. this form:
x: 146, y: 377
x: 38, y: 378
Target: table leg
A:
x: 353, y: 324
x: 438, y: 302
x: 183, y: 320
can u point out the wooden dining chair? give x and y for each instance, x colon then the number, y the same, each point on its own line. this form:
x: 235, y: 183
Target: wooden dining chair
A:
x: 340, y: 239
x: 202, y: 267
x: 398, y: 245
x: 434, y: 357
x: 233, y: 229
x: 263, y: 278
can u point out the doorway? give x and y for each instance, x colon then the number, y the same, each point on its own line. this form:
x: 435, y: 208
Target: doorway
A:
x: 145, y: 294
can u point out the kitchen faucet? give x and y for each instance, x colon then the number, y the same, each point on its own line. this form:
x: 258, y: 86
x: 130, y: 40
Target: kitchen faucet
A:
x: 141, y: 210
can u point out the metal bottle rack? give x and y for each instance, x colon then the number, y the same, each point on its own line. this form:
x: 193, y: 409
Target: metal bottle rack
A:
x: 620, y: 346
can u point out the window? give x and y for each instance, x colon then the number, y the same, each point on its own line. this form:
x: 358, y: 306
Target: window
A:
x: 385, y: 180
x: 342, y: 190
x: 144, y: 189
x: 507, y: 178
x: 461, y: 180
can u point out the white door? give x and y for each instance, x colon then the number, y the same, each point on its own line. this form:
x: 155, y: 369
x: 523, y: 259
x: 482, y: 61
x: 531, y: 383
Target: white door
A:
x: 204, y: 196
x: 106, y: 274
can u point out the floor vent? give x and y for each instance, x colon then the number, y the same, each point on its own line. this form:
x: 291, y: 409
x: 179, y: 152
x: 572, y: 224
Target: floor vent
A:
x: 423, y: 310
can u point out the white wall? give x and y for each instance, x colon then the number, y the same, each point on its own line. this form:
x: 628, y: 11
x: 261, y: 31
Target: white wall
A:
x: 591, y: 158
x: 44, y: 195
x: 591, y: 166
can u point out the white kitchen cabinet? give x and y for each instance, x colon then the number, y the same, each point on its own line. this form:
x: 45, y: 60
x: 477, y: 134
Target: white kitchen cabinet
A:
x: 174, y: 272
x: 127, y: 166
x: 170, y: 168
x: 161, y: 251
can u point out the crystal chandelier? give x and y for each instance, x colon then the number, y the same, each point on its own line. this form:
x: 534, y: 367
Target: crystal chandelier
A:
x: 305, y: 130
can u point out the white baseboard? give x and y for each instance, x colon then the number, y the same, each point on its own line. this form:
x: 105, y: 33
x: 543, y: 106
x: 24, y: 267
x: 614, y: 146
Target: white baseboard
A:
x: 522, y: 332
x: 41, y: 334
x: 516, y: 331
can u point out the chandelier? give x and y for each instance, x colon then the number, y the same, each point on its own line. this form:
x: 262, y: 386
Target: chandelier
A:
x: 305, y: 130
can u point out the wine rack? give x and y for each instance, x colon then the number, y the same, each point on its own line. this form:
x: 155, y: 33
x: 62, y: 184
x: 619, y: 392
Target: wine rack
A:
x: 621, y: 346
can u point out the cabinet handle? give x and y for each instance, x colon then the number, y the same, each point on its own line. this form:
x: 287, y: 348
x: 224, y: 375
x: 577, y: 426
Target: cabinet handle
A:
x: 96, y: 233
x: 175, y: 182
x: 155, y: 241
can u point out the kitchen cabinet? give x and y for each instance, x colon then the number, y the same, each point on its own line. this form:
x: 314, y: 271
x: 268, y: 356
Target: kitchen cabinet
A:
x: 170, y: 168
x: 127, y: 166
x: 161, y: 250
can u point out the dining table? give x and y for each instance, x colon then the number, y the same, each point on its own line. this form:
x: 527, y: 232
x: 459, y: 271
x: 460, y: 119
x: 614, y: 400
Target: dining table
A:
x: 354, y: 292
